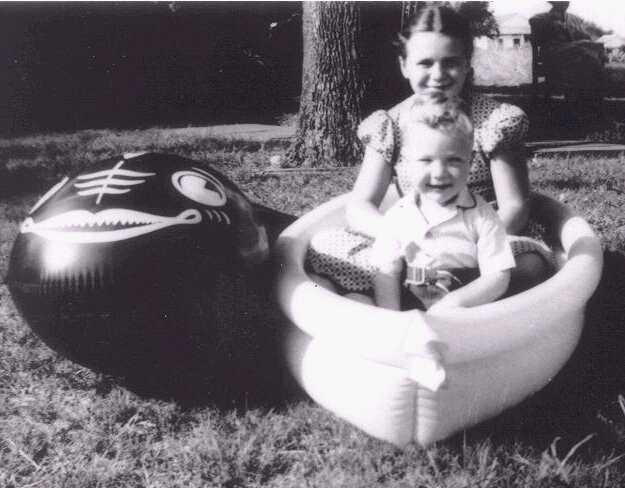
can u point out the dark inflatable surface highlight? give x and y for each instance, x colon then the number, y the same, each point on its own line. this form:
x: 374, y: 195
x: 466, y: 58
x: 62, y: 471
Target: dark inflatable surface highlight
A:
x: 154, y: 267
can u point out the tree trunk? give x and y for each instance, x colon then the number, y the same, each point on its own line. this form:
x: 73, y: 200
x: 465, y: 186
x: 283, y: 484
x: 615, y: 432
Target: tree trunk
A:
x: 331, y: 86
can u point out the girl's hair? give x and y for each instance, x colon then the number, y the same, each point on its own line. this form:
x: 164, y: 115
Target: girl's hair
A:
x: 441, y: 19
x: 447, y: 117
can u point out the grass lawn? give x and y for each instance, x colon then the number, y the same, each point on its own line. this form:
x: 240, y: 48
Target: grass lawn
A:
x: 62, y: 425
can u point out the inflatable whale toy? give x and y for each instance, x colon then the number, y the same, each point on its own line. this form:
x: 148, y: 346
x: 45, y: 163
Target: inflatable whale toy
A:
x: 368, y: 365
x: 145, y: 261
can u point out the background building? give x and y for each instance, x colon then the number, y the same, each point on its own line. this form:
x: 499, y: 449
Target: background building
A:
x: 506, y: 59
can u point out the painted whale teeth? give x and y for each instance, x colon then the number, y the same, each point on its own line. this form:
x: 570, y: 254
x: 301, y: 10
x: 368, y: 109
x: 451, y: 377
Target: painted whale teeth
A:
x: 82, y: 226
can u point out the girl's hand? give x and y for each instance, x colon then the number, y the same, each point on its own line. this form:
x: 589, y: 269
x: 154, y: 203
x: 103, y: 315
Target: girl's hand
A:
x: 387, y: 289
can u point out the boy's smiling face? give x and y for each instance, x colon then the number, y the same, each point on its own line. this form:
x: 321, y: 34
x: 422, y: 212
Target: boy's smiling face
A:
x: 438, y: 164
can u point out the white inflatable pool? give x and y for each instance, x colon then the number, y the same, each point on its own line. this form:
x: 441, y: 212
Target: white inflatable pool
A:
x: 355, y: 359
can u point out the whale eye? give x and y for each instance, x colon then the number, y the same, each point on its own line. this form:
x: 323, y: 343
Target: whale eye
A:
x: 200, y: 187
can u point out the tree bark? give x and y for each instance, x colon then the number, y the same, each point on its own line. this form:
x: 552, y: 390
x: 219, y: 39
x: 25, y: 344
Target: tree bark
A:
x: 331, y: 87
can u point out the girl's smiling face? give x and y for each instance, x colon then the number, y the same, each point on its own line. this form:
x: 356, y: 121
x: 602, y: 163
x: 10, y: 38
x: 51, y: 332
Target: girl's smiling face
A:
x: 435, y: 65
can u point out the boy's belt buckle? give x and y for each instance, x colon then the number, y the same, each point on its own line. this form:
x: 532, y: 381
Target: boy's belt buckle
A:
x: 419, y: 276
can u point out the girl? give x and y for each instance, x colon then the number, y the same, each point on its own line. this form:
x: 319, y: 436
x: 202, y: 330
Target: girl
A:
x: 435, y: 51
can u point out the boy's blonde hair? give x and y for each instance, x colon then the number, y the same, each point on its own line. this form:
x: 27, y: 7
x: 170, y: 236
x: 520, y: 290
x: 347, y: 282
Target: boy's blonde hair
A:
x: 447, y: 117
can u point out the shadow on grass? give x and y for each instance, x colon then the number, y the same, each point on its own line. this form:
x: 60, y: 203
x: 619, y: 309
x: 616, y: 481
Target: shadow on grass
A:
x: 251, y: 375
x: 570, y: 183
x: 576, y: 182
x: 583, y: 398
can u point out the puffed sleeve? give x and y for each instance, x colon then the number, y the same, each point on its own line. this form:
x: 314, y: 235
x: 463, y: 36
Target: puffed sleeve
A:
x: 377, y: 132
x: 505, y: 127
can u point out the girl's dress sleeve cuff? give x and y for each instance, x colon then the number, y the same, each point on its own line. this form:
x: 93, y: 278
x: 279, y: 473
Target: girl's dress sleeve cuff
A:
x: 506, y: 128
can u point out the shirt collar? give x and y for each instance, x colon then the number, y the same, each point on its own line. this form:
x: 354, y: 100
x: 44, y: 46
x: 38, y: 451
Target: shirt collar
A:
x: 465, y: 200
x: 433, y: 214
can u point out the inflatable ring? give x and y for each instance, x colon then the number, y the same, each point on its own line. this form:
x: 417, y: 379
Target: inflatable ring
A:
x: 356, y: 359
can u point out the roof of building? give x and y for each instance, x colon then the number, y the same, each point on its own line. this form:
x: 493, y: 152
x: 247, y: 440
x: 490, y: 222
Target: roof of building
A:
x: 612, y: 41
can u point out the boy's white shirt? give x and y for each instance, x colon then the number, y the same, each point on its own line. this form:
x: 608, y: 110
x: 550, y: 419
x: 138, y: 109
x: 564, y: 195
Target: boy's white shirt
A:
x: 464, y: 234
x: 475, y: 222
